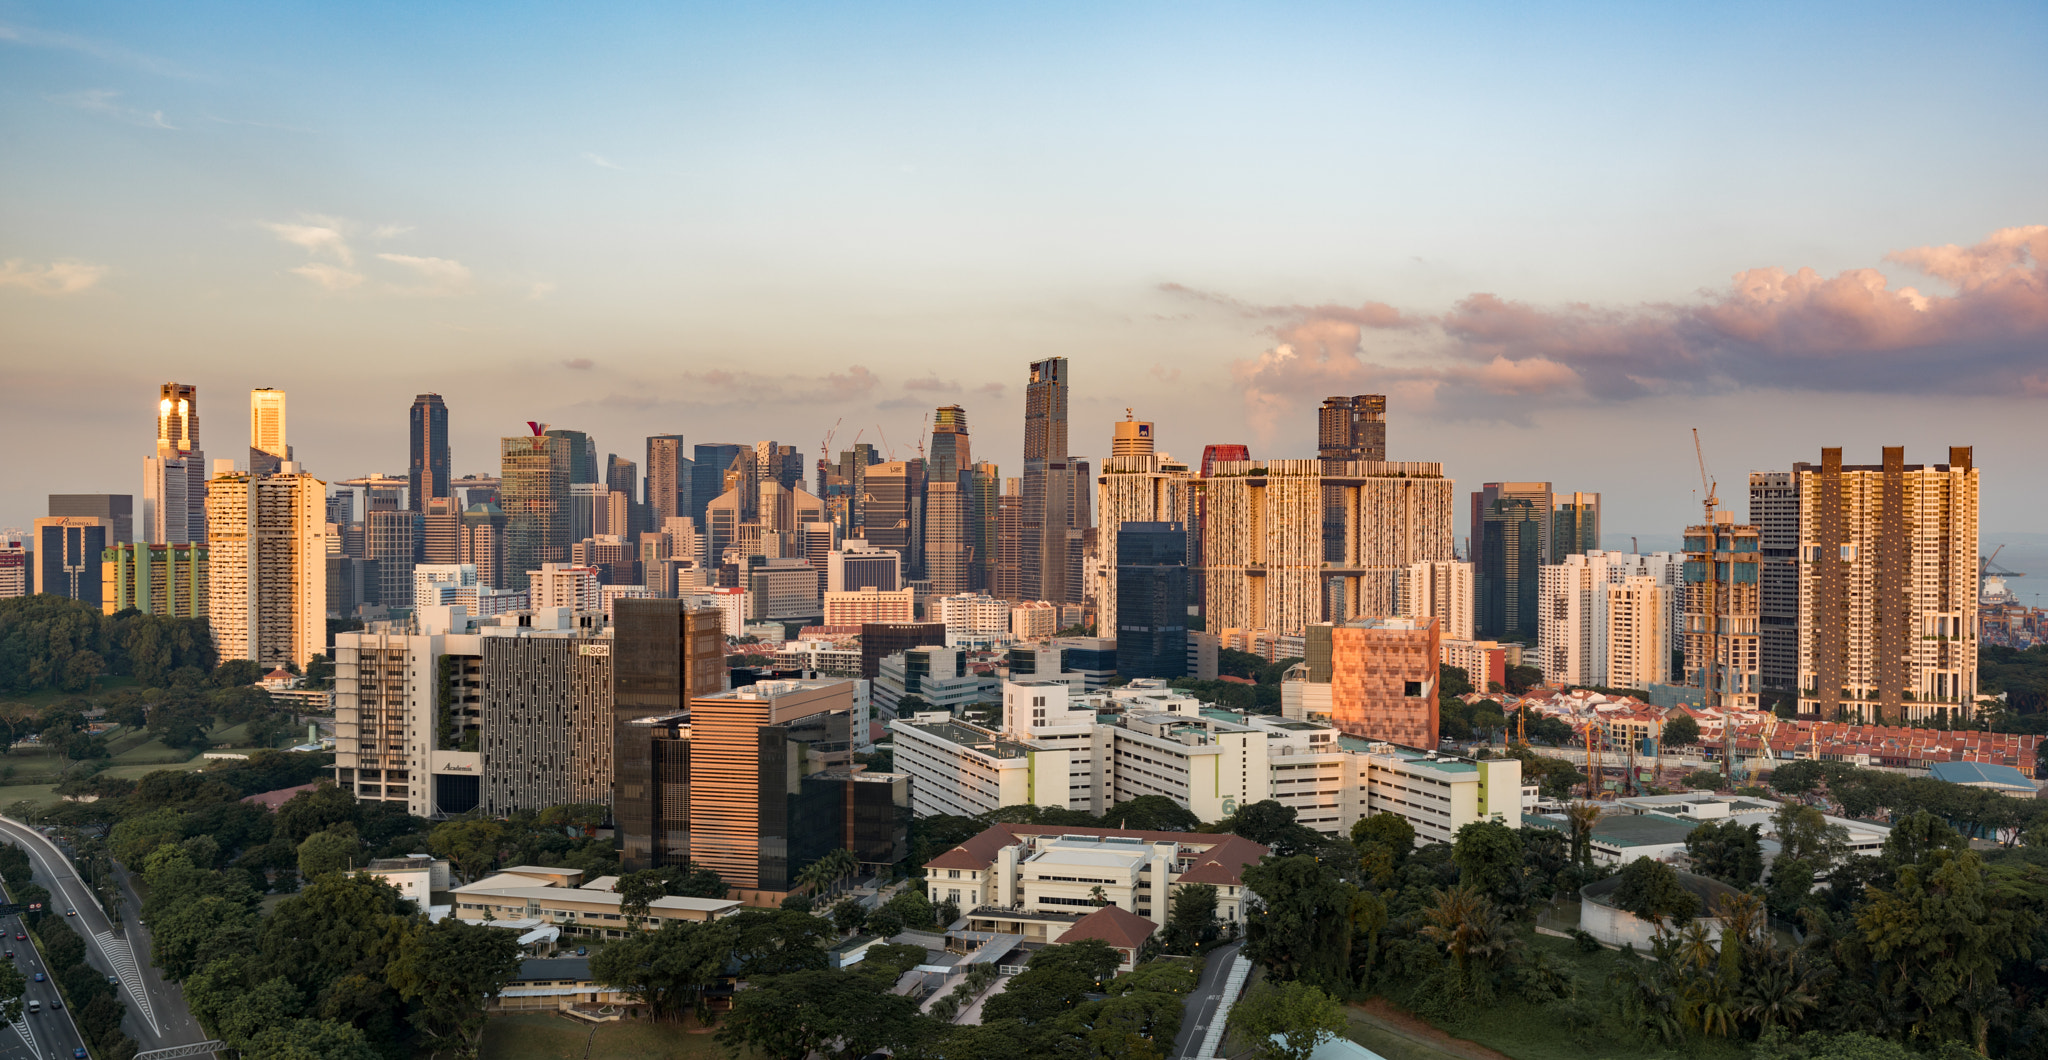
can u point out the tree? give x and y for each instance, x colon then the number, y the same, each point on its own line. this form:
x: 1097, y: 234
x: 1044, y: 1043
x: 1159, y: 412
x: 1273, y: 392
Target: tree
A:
x: 913, y: 907
x: 638, y: 891
x: 1388, y: 830
x: 1582, y: 817
x: 470, y: 843
x: 1474, y: 937
x: 1489, y: 858
x: 1152, y: 813
x: 1288, y: 1020
x: 191, y: 934
x: 1263, y: 821
x: 1681, y: 731
x: 334, y: 850
x: 1706, y: 780
x: 838, y: 1013
x: 1193, y: 920
x: 1804, y: 834
x: 314, y: 811
x: 699, y: 882
x: 667, y: 969
x: 1651, y: 891
x: 1302, y: 928
x: 337, y: 925
x: 1054, y: 981
x: 1523, y: 678
x: 1941, y: 935
x: 12, y: 985
x: 310, y: 1039
x: 1727, y: 851
x: 451, y: 971
x: 1797, y: 778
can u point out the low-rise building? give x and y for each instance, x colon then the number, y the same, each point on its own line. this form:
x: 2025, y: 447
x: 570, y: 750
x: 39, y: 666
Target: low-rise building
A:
x: 552, y: 984
x: 971, y: 619
x: 1042, y: 882
x: 527, y: 896
x: 417, y: 876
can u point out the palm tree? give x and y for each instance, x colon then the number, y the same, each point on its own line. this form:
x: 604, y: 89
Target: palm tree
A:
x: 1778, y: 991
x: 1646, y: 1000
x: 1695, y: 947
x: 1582, y: 816
x: 1470, y: 930
x: 1745, y: 932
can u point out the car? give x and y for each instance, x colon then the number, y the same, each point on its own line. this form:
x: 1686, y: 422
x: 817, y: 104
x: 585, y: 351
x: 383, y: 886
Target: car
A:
x: 111, y: 981
x: 21, y: 936
x: 70, y: 912
x: 10, y: 955
x: 56, y: 1002
x: 78, y: 1054
x: 39, y: 977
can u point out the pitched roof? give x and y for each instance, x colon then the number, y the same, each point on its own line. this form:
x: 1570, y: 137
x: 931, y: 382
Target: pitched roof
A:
x: 1112, y: 924
x: 271, y: 800
x: 1980, y: 773
x: 1220, y: 861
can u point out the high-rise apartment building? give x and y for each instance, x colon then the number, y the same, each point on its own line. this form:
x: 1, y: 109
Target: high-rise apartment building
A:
x: 1579, y: 625
x: 268, y: 447
x: 666, y: 654
x: 1352, y: 428
x: 534, y: 496
x: 668, y: 482
x: 1047, y: 511
x: 405, y: 706
x: 1723, y: 604
x: 118, y: 509
x: 547, y: 721
x: 15, y: 577
x: 1442, y: 588
x: 154, y: 579
x: 1138, y: 485
x: 427, y: 475
x: 1774, y: 511
x: 1888, y: 566
x: 68, y: 556
x: 1151, y: 579
x: 267, y: 565
x: 482, y: 544
x: 1286, y: 544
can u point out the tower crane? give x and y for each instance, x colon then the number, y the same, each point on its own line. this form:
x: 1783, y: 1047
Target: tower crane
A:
x: 1713, y: 501
x: 825, y: 454
x: 886, y: 447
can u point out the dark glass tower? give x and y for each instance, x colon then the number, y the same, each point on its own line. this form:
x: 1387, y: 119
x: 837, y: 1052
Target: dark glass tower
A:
x: 535, y: 499
x: 1509, y: 565
x: 663, y: 655
x: 1047, y: 508
x: 1151, y: 600
x: 427, y: 476
x: 707, y: 475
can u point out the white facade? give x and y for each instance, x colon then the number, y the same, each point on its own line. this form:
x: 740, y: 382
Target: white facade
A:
x: 856, y: 565
x: 564, y: 585
x: 387, y: 724
x: 1443, y: 588
x: 444, y: 585
x: 1575, y: 623
x: 971, y: 619
x: 1638, y: 632
x: 731, y: 603
x: 1034, y: 620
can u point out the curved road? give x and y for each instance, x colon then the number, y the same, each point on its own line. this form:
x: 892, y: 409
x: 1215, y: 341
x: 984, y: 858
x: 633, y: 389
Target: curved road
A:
x: 156, y: 1017
x: 1202, y: 1004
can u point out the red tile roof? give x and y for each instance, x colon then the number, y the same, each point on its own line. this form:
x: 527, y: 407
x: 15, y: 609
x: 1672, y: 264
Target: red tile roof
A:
x: 1112, y: 924
x: 271, y: 800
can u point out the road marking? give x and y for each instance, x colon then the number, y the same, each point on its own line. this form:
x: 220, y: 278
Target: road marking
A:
x: 26, y: 1034
x: 122, y: 956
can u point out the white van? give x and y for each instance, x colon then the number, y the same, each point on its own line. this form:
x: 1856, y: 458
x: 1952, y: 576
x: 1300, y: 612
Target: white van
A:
x: 34, y: 1007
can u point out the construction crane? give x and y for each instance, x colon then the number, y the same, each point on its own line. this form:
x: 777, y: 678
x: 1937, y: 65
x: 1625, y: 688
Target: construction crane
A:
x: 886, y: 447
x: 825, y: 454
x: 923, y: 427
x: 1713, y: 501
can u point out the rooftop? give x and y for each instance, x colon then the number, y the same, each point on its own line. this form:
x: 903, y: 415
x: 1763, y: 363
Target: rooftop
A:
x: 1985, y: 773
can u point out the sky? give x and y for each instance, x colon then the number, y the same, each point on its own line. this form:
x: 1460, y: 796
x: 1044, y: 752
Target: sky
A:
x: 1557, y: 236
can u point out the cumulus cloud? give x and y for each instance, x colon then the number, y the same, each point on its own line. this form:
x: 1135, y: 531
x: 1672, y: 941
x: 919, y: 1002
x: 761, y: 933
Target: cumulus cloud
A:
x: 1766, y: 328
x: 56, y: 278
x: 319, y: 235
x: 437, y: 276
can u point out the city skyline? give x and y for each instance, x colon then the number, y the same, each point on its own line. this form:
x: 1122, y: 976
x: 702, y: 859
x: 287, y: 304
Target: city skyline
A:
x: 585, y: 272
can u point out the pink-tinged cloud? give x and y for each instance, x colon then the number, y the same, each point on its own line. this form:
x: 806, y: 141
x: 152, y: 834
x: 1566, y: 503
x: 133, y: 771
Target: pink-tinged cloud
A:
x: 1767, y: 328
x: 724, y: 388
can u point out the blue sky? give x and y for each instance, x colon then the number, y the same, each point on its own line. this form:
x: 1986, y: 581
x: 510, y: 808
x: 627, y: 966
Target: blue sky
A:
x: 743, y: 221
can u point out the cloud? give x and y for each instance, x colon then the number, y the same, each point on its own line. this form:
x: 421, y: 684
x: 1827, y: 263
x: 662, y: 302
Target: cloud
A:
x: 932, y: 385
x: 389, y: 231
x: 36, y: 38
x: 601, y: 161
x: 54, y: 279
x: 992, y: 390
x: 725, y: 389
x: 105, y: 101
x: 438, y: 276
x: 1768, y: 328
x: 331, y: 277
x: 324, y: 235
x: 581, y: 364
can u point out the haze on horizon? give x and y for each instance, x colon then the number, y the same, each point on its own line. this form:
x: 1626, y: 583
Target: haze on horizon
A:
x: 1556, y: 239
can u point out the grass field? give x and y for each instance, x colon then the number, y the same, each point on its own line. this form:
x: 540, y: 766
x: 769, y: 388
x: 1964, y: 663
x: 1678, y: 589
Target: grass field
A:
x: 30, y: 773
x: 537, y: 1037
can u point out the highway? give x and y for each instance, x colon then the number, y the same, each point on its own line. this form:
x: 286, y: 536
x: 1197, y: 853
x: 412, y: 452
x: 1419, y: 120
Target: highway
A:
x: 44, y: 1034
x: 156, y: 1015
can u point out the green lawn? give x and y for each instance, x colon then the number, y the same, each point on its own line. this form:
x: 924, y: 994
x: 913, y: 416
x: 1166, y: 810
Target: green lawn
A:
x: 538, y: 1037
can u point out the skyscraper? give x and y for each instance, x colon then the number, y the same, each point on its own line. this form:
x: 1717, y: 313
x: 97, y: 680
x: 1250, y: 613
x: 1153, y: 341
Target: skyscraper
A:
x: 118, y: 509
x: 984, y: 486
x: 664, y: 654
x: 1774, y: 511
x: 1888, y: 588
x: 268, y: 448
x: 392, y: 539
x: 428, y: 474
x: 1512, y: 535
x: 1352, y: 428
x: 582, y: 456
x: 155, y: 580
x: 1138, y: 485
x: 68, y: 556
x: 707, y: 476
x: 948, y: 511
x: 667, y: 493
x: 1008, y: 581
x: 1574, y: 525
x: 622, y: 476
x: 1151, y: 576
x: 1047, y: 514
x: 174, y: 475
x: 535, y: 499
x: 1723, y: 604
x: 267, y: 565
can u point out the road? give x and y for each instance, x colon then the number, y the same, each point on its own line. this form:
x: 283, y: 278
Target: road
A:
x: 49, y: 1032
x: 1201, y: 1005
x: 156, y: 1013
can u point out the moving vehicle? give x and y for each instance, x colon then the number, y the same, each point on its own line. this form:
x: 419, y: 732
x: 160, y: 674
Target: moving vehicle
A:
x: 56, y: 1002
x: 70, y: 912
x: 21, y: 936
x: 39, y: 977
x: 34, y: 1006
